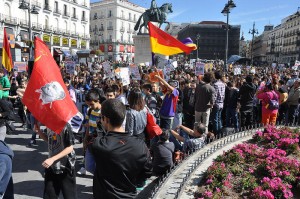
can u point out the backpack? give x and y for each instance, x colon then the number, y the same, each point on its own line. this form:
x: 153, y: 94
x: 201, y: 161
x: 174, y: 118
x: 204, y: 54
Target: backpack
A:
x: 273, y: 104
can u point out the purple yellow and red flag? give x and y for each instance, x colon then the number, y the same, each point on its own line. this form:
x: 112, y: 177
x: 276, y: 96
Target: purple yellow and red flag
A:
x: 7, y: 62
x: 164, y: 43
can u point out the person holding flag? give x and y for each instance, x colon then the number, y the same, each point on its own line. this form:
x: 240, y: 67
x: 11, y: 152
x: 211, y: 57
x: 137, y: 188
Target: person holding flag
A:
x: 49, y: 101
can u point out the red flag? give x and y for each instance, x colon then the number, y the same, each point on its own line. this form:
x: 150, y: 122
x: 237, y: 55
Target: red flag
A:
x: 46, y: 95
x: 6, y: 55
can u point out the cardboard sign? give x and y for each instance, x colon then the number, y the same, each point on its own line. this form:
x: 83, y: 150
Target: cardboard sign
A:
x: 70, y: 67
x: 134, y: 71
x: 274, y: 65
x: 199, y: 70
x: 124, y: 75
x: 237, y: 71
x: 107, y: 70
x: 20, y: 66
x: 152, y: 77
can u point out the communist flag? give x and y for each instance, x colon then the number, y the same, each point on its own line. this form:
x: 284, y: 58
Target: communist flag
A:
x: 6, y: 55
x: 46, y: 95
x: 165, y: 44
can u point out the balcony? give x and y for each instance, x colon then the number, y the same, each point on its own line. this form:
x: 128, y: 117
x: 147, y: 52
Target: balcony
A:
x: 130, y: 30
x: 47, y: 8
x: 66, y: 15
x: 37, y: 26
x: 122, y: 29
x: 47, y: 28
x: 84, y: 4
x: 57, y: 31
x: 9, y: 20
x: 57, y: 11
x: 74, y: 1
x: 110, y: 28
x: 74, y: 34
x: 101, y: 29
x: 36, y: 4
x: 24, y: 23
x: 74, y: 17
x: 84, y: 19
x: 65, y: 32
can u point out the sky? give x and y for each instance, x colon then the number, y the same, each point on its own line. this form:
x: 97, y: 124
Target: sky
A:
x: 246, y: 12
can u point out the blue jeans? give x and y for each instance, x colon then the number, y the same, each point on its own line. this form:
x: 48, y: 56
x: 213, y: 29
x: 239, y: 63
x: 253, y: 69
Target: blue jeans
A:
x: 178, y: 145
x: 216, y: 119
x: 232, y: 118
x: 90, y: 164
x: 166, y: 123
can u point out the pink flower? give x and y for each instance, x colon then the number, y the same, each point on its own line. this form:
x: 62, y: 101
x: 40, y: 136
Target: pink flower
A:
x: 208, y: 194
x: 209, y: 181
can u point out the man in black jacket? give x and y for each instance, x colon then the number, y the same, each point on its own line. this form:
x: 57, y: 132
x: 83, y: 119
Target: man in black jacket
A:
x: 121, y: 159
x: 247, y: 92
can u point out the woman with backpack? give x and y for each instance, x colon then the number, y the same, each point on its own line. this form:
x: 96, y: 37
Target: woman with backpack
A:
x: 270, y: 104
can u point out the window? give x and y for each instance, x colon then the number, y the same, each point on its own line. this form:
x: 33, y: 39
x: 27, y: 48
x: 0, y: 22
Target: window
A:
x: 110, y: 13
x: 83, y: 15
x: 134, y: 17
x: 46, y: 2
x: 122, y: 14
x: 129, y: 16
x: 122, y: 37
x: 74, y: 12
x: 65, y: 9
x: 55, y: 5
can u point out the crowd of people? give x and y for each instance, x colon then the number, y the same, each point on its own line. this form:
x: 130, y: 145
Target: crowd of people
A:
x: 189, y: 109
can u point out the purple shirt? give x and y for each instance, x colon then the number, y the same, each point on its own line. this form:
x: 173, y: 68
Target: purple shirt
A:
x: 168, y: 107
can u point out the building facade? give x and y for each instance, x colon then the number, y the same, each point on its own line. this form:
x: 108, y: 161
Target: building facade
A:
x: 112, y: 28
x: 260, y: 44
x: 62, y: 24
x: 212, y: 41
x: 284, y: 41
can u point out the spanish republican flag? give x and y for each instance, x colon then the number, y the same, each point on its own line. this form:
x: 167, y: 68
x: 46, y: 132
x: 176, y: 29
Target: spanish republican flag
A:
x: 46, y: 95
x: 6, y: 55
x: 165, y: 44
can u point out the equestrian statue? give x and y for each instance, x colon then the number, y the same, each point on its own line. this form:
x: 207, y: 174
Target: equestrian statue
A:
x: 154, y: 14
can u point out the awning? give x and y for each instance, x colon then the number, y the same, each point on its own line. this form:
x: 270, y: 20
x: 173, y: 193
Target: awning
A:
x: 58, y: 51
x: 83, y: 53
x: 66, y: 53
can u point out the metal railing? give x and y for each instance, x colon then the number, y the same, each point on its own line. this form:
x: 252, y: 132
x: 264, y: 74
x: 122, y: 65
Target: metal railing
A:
x: 66, y: 14
x: 37, y: 26
x: 9, y: 19
x: 57, y: 11
x: 47, y: 7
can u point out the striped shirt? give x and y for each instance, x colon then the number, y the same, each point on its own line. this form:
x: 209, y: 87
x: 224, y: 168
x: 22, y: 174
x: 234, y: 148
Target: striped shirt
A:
x: 219, y: 94
x: 93, y: 118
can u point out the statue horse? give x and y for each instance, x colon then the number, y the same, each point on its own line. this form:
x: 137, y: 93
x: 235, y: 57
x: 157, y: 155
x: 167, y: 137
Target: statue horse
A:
x: 165, y: 9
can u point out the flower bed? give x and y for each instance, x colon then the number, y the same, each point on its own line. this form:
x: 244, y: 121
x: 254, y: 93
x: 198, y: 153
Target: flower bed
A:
x: 266, y: 167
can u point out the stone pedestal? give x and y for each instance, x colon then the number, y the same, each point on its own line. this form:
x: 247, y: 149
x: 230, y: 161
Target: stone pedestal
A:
x: 142, y: 52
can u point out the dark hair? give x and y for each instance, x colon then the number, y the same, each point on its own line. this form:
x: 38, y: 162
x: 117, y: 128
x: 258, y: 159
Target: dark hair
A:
x: 1, y: 70
x: 270, y: 86
x: 200, y: 128
x: 165, y: 135
x: 109, y: 90
x: 207, y: 78
x: 135, y: 100
x: 92, y: 95
x: 249, y: 79
x: 147, y: 87
x: 66, y: 80
x: 218, y: 74
x: 114, y: 110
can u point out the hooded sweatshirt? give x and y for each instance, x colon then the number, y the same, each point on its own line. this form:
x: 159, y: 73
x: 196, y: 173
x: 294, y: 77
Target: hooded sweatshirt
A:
x: 247, y: 92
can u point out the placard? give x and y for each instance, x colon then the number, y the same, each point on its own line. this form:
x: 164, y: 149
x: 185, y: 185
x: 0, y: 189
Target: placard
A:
x: 46, y: 38
x: 152, y: 77
x: 70, y: 67
x: 199, y: 70
x: 124, y: 75
x: 237, y: 71
x: 65, y: 41
x: 134, y: 71
x: 73, y: 42
x: 20, y: 66
x: 107, y: 70
x: 274, y: 65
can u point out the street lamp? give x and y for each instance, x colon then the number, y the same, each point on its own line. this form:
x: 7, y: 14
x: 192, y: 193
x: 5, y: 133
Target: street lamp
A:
x: 226, y: 10
x: 252, y: 31
x: 27, y: 6
x: 197, y: 38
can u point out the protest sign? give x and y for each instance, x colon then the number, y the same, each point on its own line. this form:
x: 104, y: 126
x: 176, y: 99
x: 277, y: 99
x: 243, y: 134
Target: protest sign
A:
x: 152, y: 77
x: 20, y: 66
x: 134, y: 71
x: 274, y: 65
x: 124, y: 75
x: 237, y: 71
x: 70, y: 67
x: 208, y: 66
x: 199, y: 70
x: 107, y: 70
